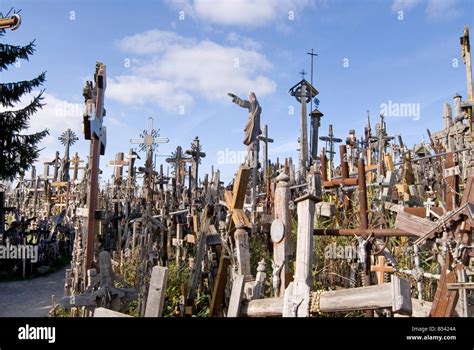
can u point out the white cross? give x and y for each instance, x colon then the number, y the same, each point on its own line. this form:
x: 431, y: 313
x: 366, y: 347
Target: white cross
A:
x: 428, y: 204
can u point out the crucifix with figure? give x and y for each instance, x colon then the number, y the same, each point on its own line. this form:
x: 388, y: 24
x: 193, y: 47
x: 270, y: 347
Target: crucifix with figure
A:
x: 95, y: 131
x: 196, y: 154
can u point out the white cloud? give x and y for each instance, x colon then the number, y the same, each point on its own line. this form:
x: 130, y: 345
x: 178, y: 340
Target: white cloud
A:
x: 405, y: 5
x: 249, y: 13
x: 245, y: 42
x: 440, y: 10
x: 437, y: 10
x: 174, y: 69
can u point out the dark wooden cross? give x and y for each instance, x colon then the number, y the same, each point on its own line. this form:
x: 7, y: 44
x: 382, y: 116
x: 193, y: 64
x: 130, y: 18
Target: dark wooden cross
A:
x: 381, y: 141
x: 56, y: 163
x: 331, y: 140
x: 266, y: 140
x: 178, y: 161
x: 196, y: 154
x: 303, y: 73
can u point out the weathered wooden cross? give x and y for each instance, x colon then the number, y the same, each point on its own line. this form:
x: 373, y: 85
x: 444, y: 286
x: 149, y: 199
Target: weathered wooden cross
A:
x: 178, y: 161
x: 75, y: 168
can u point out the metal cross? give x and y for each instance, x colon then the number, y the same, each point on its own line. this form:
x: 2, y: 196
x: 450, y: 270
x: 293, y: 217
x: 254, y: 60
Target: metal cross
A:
x: 149, y: 138
x: 303, y: 73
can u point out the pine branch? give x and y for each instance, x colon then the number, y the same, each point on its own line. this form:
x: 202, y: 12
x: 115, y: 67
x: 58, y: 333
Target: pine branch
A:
x: 11, y: 93
x: 9, y: 54
x: 15, y: 121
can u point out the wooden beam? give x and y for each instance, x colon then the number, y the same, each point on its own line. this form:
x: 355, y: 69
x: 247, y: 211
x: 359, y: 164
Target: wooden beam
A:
x: 215, y: 308
x: 395, y: 295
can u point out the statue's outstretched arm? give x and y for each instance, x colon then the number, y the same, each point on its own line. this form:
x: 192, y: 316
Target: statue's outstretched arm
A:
x: 238, y: 101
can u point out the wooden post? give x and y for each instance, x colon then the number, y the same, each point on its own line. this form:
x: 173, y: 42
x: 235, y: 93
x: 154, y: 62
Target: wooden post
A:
x: 242, y: 250
x: 2, y: 212
x: 466, y: 57
x: 219, y: 287
x: 364, y: 222
x: 303, y: 133
x: 452, y: 182
x: 297, y: 294
x: 235, y: 203
x: 179, y: 242
x: 281, y: 231
x: 344, y: 162
x: 324, y: 166
x: 236, y: 296
x: 156, y: 292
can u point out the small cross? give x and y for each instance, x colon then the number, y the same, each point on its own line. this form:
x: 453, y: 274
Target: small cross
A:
x: 428, y: 205
x: 303, y: 73
x: 380, y: 269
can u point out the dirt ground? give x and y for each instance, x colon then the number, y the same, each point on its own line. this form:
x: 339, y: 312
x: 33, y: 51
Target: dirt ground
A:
x: 30, y: 298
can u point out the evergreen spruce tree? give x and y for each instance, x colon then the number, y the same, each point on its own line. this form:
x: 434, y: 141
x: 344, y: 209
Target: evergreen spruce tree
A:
x: 19, y: 150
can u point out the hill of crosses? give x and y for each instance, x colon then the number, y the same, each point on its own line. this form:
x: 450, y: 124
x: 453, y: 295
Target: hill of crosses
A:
x: 364, y: 225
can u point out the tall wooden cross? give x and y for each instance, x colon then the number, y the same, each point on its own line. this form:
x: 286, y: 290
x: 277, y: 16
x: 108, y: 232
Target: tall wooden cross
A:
x: 381, y: 141
x: 95, y: 131
x: 67, y: 139
x: 466, y: 57
x: 118, y: 165
x: 303, y: 92
x: 266, y: 140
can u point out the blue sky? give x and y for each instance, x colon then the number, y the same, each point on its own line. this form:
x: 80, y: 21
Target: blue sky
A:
x: 176, y: 60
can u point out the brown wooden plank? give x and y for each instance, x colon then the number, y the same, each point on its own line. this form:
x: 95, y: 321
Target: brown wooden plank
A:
x: 215, y: 309
x: 240, y: 187
x: 421, y: 211
x: 468, y: 195
x: 413, y: 224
